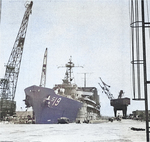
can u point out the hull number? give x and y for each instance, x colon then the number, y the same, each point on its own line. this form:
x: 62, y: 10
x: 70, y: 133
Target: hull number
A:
x: 53, y: 101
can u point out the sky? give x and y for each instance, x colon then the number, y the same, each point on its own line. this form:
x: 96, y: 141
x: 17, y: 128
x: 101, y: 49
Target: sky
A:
x: 96, y: 33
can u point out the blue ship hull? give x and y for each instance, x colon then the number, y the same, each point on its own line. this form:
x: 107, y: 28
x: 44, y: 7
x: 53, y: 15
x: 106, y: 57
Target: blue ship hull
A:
x: 48, y: 107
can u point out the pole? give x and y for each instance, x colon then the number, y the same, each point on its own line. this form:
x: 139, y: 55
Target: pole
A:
x: 145, y: 72
x: 84, y: 79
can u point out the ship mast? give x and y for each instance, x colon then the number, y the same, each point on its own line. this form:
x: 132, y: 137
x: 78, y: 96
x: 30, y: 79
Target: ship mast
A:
x: 69, y: 70
x: 85, y: 78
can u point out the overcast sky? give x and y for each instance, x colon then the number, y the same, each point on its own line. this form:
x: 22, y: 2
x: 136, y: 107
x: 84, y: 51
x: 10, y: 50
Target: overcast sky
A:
x: 96, y: 33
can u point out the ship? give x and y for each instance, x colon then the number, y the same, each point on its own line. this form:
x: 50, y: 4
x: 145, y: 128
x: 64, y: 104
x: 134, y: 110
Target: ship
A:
x: 65, y: 100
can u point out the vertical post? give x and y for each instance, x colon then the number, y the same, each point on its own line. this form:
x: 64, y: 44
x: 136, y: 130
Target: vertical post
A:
x: 145, y: 72
x: 84, y: 79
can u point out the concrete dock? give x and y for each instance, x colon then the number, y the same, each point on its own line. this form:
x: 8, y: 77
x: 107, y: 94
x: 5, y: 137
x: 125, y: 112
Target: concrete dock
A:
x: 116, y: 131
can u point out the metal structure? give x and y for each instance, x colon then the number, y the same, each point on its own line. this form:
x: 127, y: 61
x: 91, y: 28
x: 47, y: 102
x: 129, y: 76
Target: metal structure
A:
x: 44, y: 67
x: 118, y: 104
x: 85, y: 74
x: 69, y: 70
x: 9, y: 83
x: 140, y: 40
x: 105, y: 88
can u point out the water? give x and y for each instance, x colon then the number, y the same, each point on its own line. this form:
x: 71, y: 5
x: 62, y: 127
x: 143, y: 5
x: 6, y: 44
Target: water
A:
x: 117, y: 131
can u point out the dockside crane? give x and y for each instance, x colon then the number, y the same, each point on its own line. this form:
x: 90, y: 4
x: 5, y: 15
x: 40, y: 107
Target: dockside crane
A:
x: 105, y: 89
x: 8, y: 84
x: 44, y: 67
x: 118, y: 104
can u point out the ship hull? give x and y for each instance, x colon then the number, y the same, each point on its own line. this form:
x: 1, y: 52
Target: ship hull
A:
x: 48, y: 107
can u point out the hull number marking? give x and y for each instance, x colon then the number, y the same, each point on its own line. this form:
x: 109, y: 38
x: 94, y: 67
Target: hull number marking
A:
x: 53, y: 101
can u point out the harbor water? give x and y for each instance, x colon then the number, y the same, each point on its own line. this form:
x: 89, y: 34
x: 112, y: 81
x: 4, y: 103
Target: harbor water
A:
x: 116, y: 131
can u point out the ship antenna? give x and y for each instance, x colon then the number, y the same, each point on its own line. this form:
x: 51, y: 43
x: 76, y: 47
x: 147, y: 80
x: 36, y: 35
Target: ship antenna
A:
x: 69, y: 67
x: 85, y: 74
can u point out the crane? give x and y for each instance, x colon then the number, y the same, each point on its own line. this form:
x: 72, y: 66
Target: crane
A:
x: 105, y: 89
x: 43, y: 74
x: 8, y: 84
x: 118, y: 104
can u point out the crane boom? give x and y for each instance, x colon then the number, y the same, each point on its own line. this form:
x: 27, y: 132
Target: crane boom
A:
x: 9, y: 83
x: 43, y: 74
x: 105, y: 88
